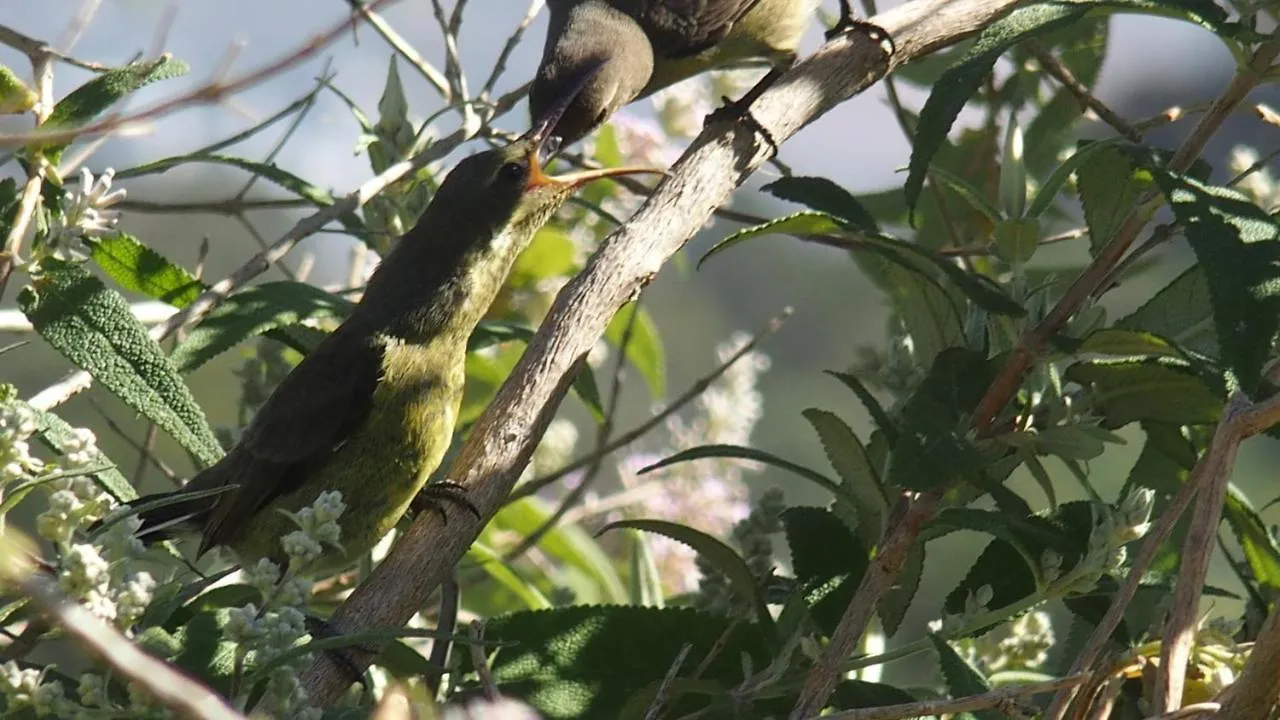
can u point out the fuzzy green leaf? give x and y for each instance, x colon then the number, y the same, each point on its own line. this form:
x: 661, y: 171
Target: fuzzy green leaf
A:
x: 1126, y: 391
x: 962, y: 678
x: 1181, y: 312
x: 827, y: 559
x: 859, y: 480
x: 93, y: 327
x: 138, y: 268
x: 1238, y: 246
x: 933, y: 449
x: 800, y: 224
x: 823, y: 195
x: 1109, y: 189
x: 1261, y: 551
x: 739, y: 452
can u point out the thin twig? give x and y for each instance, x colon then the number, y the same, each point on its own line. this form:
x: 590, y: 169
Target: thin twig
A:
x: 480, y: 663
x: 654, y: 711
x: 1083, y: 94
x: 950, y: 706
x: 1238, y: 423
x: 210, y: 93
x: 404, y: 49
x: 500, y: 65
x: 1204, y: 708
x: 28, y: 45
x: 697, y: 388
x: 1087, y: 283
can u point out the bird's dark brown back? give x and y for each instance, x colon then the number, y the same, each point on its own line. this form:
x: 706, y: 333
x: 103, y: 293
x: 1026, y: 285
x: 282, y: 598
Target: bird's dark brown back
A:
x: 680, y: 28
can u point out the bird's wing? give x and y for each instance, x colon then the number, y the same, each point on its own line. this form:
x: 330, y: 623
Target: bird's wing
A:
x: 309, y: 416
x: 679, y: 28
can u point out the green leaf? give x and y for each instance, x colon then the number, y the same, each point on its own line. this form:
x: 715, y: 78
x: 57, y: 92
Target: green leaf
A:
x: 1255, y: 538
x: 965, y: 78
x: 962, y: 678
x: 1080, y: 47
x: 93, y: 327
x: 881, y: 418
x: 1109, y: 190
x: 54, y: 432
x: 720, y: 556
x: 933, y: 448
x: 1120, y: 342
x: 567, y: 544
x: 252, y: 312
x: 823, y: 195
x: 801, y: 224
x: 827, y: 560
x: 587, y: 661
x: 1181, y: 312
x: 15, y: 97
x: 1048, y: 192
x: 136, y: 267
x: 1238, y: 246
x: 499, y: 570
x: 737, y: 452
x: 92, y: 98
x: 971, y: 194
x: 897, y: 599
x: 860, y: 482
x: 644, y: 346
x: 1017, y: 240
x: 1161, y: 390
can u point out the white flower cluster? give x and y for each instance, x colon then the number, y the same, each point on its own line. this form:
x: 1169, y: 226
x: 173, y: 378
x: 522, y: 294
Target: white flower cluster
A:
x: 1019, y: 645
x: 84, y: 215
x: 17, y: 424
x: 280, y: 623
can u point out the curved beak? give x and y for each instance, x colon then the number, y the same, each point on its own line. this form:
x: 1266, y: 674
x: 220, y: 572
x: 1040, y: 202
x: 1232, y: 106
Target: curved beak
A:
x: 541, y: 132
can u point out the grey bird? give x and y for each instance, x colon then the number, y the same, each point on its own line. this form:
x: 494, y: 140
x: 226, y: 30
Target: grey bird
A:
x: 643, y: 46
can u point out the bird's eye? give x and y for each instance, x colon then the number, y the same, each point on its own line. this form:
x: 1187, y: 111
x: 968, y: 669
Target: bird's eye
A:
x: 512, y: 172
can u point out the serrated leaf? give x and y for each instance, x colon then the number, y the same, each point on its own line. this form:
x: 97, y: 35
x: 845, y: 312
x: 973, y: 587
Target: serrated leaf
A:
x: 567, y: 662
x: 827, y: 559
x: 801, y: 224
x: 644, y: 346
x: 823, y: 195
x: 1261, y: 551
x: 722, y: 557
x: 252, y: 312
x: 962, y: 678
x: 94, y: 328
x: 859, y: 479
x: 1238, y: 246
x: 1161, y: 390
x: 1181, y: 311
x: 1121, y: 342
x: 95, y: 96
x: 136, y: 267
x: 738, y: 452
x: 933, y: 449
x: 897, y: 599
x: 965, y: 78
x: 1109, y: 189
x: 881, y: 418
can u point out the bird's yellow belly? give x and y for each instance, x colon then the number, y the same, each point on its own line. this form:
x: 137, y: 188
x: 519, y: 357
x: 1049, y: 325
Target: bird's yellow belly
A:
x: 770, y: 32
x: 379, y: 471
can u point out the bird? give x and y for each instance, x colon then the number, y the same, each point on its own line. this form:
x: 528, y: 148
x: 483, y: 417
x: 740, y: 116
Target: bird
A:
x: 372, y: 409
x: 644, y: 46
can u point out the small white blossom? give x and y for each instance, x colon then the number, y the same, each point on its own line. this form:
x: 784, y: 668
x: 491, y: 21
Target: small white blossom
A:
x: 83, y: 570
x: 132, y: 601
x: 302, y: 548
x: 242, y: 624
x: 80, y: 449
x: 84, y: 215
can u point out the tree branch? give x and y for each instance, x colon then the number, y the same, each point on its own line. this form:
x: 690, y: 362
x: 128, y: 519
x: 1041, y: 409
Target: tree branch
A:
x: 719, y: 160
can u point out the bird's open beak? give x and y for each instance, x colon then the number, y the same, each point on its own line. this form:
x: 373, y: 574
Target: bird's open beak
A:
x: 540, y: 133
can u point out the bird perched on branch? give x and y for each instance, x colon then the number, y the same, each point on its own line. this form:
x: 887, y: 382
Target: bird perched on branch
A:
x: 371, y: 410
x: 646, y: 45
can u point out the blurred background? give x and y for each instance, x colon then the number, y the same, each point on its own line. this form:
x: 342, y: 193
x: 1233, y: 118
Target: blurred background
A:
x: 1152, y: 64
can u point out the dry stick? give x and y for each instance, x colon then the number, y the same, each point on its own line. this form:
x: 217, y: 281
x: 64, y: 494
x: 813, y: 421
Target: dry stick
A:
x: 42, y: 70
x: 1238, y: 424
x: 1204, y: 708
x: 951, y: 706
x: 186, y: 697
x: 1083, y: 94
x: 717, y: 162
x: 1197, y: 550
x: 904, y: 526
x: 77, y: 381
x: 209, y: 93
x: 1034, y: 341
x: 621, y: 441
x: 1255, y: 693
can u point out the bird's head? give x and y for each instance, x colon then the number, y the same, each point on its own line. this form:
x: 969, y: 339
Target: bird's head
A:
x: 508, y: 185
x: 594, y: 39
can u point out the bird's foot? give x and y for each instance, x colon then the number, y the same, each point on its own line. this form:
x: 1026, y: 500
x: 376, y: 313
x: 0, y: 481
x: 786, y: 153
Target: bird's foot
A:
x: 848, y: 23
x: 740, y: 110
x: 436, y: 494
x: 343, y: 657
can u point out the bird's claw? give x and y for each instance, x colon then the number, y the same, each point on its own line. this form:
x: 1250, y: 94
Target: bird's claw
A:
x: 740, y: 111
x: 433, y: 496
x: 848, y: 23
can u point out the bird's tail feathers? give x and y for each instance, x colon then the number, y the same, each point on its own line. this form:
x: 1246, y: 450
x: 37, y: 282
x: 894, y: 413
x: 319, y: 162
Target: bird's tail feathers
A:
x: 165, y: 515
